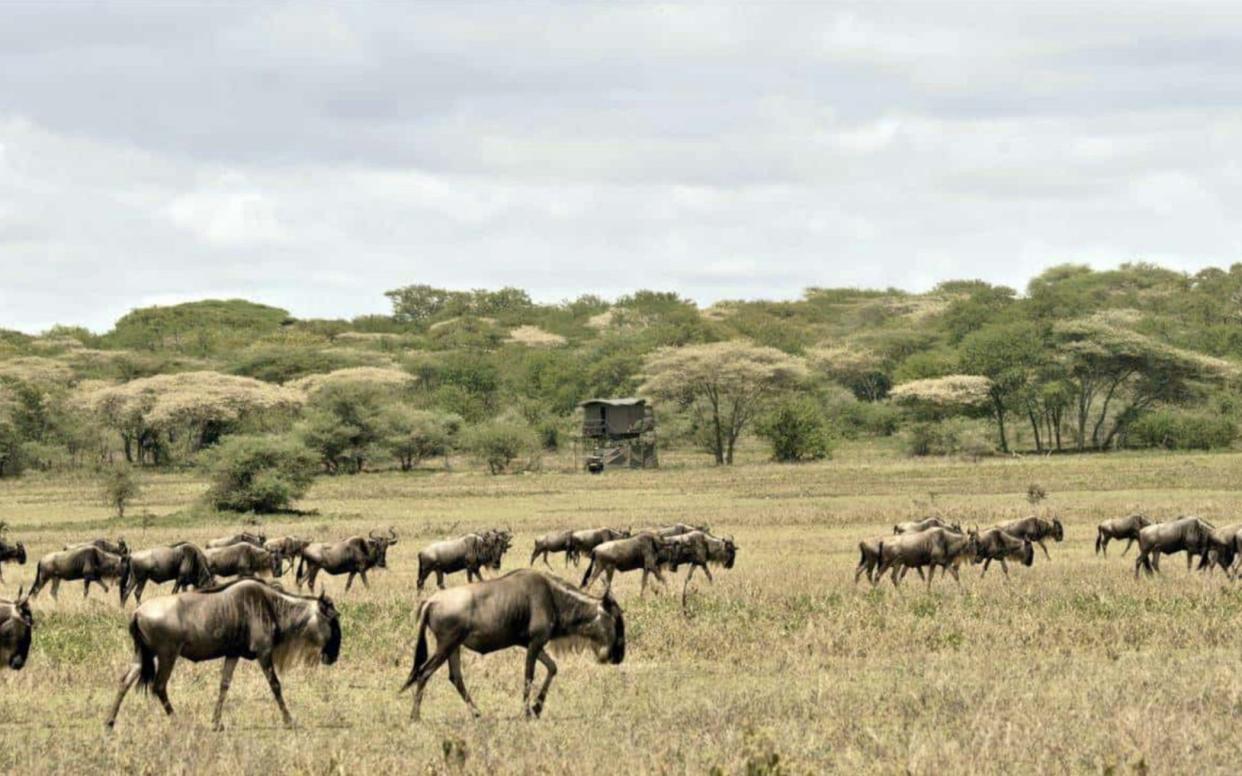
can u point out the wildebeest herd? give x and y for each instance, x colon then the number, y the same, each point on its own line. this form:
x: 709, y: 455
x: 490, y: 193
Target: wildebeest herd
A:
x: 228, y: 601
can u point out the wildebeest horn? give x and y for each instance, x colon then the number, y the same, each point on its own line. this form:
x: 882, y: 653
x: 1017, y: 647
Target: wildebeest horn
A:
x: 371, y: 534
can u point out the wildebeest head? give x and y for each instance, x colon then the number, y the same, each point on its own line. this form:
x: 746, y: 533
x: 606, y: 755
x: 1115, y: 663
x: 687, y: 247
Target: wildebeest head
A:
x: 607, y: 632
x: 15, y: 632
x: 1058, y: 530
x: 378, y: 547
x: 10, y: 552
x: 328, y: 627
x: 728, y: 552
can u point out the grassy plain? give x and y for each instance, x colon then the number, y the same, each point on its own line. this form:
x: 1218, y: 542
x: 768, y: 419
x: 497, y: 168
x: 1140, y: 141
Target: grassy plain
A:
x: 784, y: 664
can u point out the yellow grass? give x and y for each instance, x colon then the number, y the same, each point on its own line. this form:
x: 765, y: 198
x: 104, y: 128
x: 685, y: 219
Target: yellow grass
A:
x: 1071, y: 666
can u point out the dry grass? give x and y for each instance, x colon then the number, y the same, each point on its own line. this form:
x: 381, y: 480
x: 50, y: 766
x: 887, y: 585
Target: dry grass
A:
x: 1070, y: 666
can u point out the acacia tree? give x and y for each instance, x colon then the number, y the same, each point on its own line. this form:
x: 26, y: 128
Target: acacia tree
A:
x: 1007, y: 354
x: 862, y: 370
x: 723, y: 383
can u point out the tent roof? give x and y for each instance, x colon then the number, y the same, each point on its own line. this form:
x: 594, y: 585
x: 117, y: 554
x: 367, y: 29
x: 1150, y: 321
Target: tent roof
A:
x: 629, y: 402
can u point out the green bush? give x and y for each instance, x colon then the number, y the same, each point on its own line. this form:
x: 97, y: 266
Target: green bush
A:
x: 797, y: 431
x: 259, y: 473
x: 413, y: 435
x: 955, y: 436
x: 501, y: 442
x: 118, y: 487
x: 1182, y: 430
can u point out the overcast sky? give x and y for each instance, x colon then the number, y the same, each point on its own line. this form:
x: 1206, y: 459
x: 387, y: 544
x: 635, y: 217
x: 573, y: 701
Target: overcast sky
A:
x: 313, y: 156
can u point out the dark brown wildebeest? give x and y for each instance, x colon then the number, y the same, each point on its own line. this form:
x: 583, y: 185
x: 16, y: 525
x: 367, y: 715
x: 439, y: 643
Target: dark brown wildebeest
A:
x: 354, y: 556
x: 119, y: 547
x: 289, y: 547
x: 246, y: 619
x: 184, y: 564
x: 918, y: 526
x: 1120, y: 528
x: 16, y: 627
x: 645, y: 551
x: 524, y: 608
x: 582, y: 542
x: 1036, y: 529
x: 699, y: 550
x: 10, y: 553
x: 470, y: 553
x: 995, y: 544
x: 933, y: 547
x: 556, y: 541
x: 245, y: 537
x: 87, y: 563
x: 1189, y: 534
x: 1221, y: 548
x: 244, y: 560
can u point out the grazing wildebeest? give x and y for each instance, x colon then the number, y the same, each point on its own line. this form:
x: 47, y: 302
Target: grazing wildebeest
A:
x: 245, y: 537
x: 10, y: 553
x: 1035, y: 529
x: 1221, y: 548
x: 354, y: 556
x: 524, y: 608
x: 470, y: 553
x: 244, y: 560
x: 246, y: 619
x: 582, y: 542
x: 933, y: 547
x: 183, y: 563
x: 698, y: 550
x: 645, y: 551
x: 16, y: 627
x: 289, y: 547
x: 87, y: 563
x: 556, y: 541
x: 918, y: 526
x: 995, y: 544
x: 1189, y: 534
x: 1120, y: 528
x: 677, y: 529
x: 119, y: 547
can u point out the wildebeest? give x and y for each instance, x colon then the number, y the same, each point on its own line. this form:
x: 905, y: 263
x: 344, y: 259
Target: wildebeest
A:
x: 119, y: 547
x: 184, y: 564
x: 676, y: 529
x: 289, y: 547
x: 699, y: 550
x: 524, y: 608
x: 1189, y: 534
x: 244, y: 560
x: 556, y: 541
x: 995, y: 544
x: 1120, y: 528
x: 16, y: 628
x: 246, y: 619
x: 354, y: 556
x: 245, y: 537
x: 917, y: 526
x: 582, y: 542
x: 10, y: 553
x: 85, y: 562
x: 933, y: 547
x: 1036, y: 529
x: 1221, y: 548
x: 644, y: 551
x: 470, y: 553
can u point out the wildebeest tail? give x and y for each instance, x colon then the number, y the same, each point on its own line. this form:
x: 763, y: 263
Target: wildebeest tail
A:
x: 126, y: 573
x: 1099, y: 540
x: 590, y: 568
x: 145, y: 655
x: 38, y: 583
x: 420, y: 651
x: 301, y: 566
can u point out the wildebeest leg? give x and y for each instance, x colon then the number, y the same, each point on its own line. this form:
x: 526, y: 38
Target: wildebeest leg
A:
x: 365, y: 582
x: 1043, y: 547
x: 424, y: 673
x: 532, y: 654
x: 454, y: 664
x: 86, y: 588
x: 931, y: 572
x: 439, y: 579
x: 608, y: 580
x: 1155, y: 560
x: 952, y: 570
x: 643, y: 588
x: 349, y: 582
x: 273, y: 681
x: 226, y: 677
x: 56, y: 588
x: 127, y: 681
x: 163, y: 670
x: 1129, y: 542
x: 311, y: 577
x: 986, y: 563
x: 1004, y: 567
x: 549, y: 664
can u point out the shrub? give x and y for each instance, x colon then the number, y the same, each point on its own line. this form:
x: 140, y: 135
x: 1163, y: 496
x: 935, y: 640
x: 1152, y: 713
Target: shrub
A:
x: 412, y: 435
x: 1182, y: 430
x: 797, y: 431
x: 344, y: 424
x: 118, y: 486
x: 956, y: 436
x: 259, y: 473
x: 501, y: 442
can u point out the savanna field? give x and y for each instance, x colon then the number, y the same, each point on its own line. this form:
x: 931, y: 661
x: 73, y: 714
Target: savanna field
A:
x: 784, y: 665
